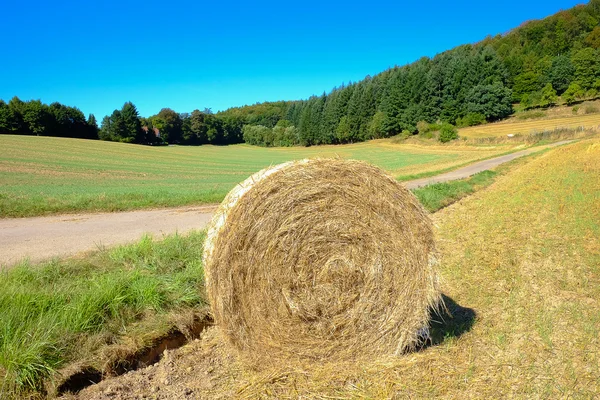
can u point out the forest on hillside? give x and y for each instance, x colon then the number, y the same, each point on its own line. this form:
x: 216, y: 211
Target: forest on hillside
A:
x: 537, y: 64
x: 532, y: 65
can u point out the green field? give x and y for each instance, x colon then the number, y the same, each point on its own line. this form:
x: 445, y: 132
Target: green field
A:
x: 46, y: 175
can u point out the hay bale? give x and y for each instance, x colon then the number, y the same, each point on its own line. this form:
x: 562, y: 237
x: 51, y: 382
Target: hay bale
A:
x: 321, y: 258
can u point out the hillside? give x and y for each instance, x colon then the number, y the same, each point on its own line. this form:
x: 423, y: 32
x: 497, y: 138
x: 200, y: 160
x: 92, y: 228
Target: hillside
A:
x: 470, y: 84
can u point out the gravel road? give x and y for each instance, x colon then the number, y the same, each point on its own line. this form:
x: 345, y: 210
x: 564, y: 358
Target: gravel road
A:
x: 480, y: 166
x: 41, y: 238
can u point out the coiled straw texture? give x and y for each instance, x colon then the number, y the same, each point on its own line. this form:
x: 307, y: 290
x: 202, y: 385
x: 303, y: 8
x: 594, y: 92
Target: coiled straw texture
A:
x: 321, y: 259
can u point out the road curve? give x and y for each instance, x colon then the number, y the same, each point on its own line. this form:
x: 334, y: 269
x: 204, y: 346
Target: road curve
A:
x: 41, y: 238
x: 480, y: 166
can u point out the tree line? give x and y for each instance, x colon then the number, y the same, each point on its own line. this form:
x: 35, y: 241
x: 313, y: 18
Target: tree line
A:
x: 124, y: 125
x: 168, y: 126
x: 36, y: 118
x: 535, y: 65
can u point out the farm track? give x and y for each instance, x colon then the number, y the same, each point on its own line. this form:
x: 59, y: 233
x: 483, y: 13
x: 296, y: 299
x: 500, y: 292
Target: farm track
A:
x: 41, y: 238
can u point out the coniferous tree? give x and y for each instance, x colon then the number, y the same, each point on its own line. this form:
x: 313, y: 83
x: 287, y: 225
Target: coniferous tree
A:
x: 92, y: 127
x: 492, y: 101
x: 131, y: 130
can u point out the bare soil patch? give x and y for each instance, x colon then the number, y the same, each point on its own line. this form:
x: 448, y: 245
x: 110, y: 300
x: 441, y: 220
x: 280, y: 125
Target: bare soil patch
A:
x: 202, y: 369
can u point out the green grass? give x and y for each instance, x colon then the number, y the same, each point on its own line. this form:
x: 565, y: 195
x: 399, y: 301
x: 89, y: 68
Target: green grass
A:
x: 44, y: 175
x: 440, y: 195
x: 64, y: 311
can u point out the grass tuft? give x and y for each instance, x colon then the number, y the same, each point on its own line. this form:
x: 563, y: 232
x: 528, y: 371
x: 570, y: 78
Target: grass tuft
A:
x: 439, y: 195
x: 52, y: 311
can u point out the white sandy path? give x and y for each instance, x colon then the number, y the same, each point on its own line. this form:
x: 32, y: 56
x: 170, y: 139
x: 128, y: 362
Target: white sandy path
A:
x: 41, y: 238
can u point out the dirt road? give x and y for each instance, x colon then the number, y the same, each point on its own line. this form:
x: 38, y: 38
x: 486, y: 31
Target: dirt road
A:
x: 474, y: 168
x: 42, y: 238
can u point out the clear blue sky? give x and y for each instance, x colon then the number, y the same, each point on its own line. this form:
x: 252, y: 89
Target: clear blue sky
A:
x: 96, y: 55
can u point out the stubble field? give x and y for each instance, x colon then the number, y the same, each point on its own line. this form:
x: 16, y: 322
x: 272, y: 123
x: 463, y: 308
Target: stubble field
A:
x: 520, y: 274
x: 515, y: 126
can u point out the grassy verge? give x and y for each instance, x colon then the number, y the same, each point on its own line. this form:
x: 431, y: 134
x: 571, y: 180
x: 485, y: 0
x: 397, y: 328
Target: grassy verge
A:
x: 406, y: 178
x: 37, y: 205
x: 64, y: 311
x: 440, y: 195
x: 412, y: 177
x: 534, y: 144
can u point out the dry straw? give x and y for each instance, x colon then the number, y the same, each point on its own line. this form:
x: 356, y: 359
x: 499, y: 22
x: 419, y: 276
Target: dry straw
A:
x: 321, y: 259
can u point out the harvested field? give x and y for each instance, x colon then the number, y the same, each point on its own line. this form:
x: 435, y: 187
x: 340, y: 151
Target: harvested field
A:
x: 518, y: 127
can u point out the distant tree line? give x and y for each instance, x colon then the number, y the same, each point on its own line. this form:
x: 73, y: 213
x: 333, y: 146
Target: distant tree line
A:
x: 36, y: 118
x: 168, y: 126
x: 123, y: 125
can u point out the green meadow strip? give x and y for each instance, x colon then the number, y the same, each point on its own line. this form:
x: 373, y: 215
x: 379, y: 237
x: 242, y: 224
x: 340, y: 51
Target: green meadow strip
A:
x: 63, y: 311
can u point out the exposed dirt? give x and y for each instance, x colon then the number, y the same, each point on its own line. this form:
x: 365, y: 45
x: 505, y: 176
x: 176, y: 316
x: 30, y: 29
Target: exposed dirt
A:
x: 202, y: 369
x: 41, y: 238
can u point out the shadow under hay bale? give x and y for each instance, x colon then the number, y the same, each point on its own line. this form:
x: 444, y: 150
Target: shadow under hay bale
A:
x: 321, y: 259
x: 451, y: 321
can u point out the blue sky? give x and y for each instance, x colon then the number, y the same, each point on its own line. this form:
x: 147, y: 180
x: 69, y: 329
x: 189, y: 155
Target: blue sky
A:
x: 96, y: 55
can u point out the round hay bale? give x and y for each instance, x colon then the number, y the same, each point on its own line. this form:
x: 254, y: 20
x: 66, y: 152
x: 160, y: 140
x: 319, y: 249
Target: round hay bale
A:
x: 321, y: 258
